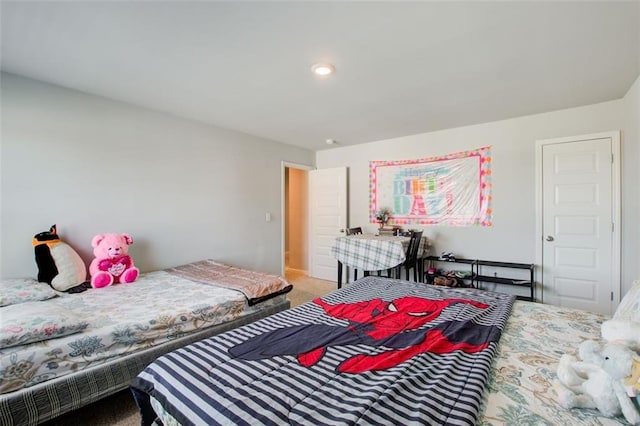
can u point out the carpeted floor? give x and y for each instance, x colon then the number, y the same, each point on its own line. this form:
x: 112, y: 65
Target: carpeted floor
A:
x: 120, y: 409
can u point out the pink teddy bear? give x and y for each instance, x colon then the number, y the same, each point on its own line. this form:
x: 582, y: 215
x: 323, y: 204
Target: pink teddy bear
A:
x: 112, y: 263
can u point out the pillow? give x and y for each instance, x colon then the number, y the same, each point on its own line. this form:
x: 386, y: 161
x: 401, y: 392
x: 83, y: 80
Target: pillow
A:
x: 23, y: 290
x: 629, y: 307
x: 625, y: 325
x: 31, y: 322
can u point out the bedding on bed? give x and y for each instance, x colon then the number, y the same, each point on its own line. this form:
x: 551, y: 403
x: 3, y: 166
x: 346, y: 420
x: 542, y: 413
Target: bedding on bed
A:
x: 380, y: 351
x: 256, y: 286
x: 521, y: 384
x: 159, y: 307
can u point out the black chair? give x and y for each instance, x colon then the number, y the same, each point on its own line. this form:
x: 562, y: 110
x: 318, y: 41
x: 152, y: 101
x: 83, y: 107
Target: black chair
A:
x: 411, y: 258
x: 354, y: 231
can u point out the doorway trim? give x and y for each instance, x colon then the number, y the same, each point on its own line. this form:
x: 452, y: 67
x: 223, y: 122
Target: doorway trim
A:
x: 615, y: 207
x: 284, y: 166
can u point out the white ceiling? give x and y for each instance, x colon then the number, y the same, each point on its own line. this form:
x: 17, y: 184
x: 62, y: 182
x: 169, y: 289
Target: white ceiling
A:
x: 402, y: 67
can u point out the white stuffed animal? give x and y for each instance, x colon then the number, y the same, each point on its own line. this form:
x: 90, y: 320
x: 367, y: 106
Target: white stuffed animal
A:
x: 599, y: 382
x: 589, y: 351
x: 571, y: 371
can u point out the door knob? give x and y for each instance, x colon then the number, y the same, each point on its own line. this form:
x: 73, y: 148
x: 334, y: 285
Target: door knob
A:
x: 342, y: 230
x: 549, y: 238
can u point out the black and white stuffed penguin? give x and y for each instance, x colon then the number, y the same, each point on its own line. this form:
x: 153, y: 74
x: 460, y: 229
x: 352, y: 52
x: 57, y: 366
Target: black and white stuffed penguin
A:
x: 58, y: 264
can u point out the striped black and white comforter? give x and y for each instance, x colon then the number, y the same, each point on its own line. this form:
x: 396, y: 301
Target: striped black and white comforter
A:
x: 380, y: 351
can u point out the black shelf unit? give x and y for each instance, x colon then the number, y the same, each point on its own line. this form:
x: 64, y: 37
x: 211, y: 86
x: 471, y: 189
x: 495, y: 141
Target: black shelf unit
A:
x: 478, y: 277
x: 470, y: 262
x: 437, y: 259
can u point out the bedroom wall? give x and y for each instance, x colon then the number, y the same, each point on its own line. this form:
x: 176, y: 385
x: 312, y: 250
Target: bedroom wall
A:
x: 183, y: 190
x: 513, y: 146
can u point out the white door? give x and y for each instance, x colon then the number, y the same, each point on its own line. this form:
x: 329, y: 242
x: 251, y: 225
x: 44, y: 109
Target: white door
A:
x: 327, y: 219
x: 580, y: 246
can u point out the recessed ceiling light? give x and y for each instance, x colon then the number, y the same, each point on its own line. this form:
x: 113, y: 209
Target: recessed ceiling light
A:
x: 331, y: 141
x: 323, y: 70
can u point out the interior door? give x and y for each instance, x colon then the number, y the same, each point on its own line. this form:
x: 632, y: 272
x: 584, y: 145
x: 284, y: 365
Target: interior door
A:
x: 579, y: 202
x: 327, y: 219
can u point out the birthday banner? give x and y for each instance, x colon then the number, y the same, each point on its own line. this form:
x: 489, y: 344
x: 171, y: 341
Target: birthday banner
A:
x: 453, y: 189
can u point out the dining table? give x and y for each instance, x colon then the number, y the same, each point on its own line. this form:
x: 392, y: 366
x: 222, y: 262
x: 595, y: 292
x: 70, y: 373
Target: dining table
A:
x: 374, y: 253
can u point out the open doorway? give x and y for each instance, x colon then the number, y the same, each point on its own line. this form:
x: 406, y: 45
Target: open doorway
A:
x: 296, y: 236
x: 295, y: 220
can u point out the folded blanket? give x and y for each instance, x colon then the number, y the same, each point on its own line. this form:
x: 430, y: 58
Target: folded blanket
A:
x: 256, y: 286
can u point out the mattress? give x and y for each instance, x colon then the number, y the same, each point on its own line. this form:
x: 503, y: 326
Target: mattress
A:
x: 129, y: 325
x: 123, y: 319
x: 520, y: 385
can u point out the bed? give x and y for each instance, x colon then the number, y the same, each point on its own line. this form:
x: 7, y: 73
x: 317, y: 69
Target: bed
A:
x: 272, y: 372
x: 60, y: 351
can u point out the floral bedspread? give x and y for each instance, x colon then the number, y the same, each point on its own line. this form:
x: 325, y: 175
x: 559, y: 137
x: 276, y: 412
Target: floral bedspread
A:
x: 520, y: 389
x: 122, y: 318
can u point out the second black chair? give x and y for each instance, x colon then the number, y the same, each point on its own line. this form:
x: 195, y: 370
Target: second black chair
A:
x: 354, y: 231
x: 411, y: 257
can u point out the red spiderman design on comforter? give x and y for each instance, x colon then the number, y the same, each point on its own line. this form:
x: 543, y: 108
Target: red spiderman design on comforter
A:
x: 402, y: 326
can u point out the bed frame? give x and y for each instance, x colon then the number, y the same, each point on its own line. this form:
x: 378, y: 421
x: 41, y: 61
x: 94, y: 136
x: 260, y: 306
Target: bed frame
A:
x: 45, y: 401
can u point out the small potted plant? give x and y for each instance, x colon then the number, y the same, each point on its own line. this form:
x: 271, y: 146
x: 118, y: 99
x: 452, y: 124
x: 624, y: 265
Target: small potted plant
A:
x: 382, y: 216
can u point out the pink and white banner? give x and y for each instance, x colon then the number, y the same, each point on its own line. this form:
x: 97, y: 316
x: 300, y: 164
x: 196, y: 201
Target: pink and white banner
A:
x: 453, y: 189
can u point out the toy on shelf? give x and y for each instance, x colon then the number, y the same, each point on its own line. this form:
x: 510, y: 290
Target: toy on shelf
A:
x: 447, y: 256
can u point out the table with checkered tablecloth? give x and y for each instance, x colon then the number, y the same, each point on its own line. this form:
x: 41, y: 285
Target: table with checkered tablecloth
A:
x: 367, y: 252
